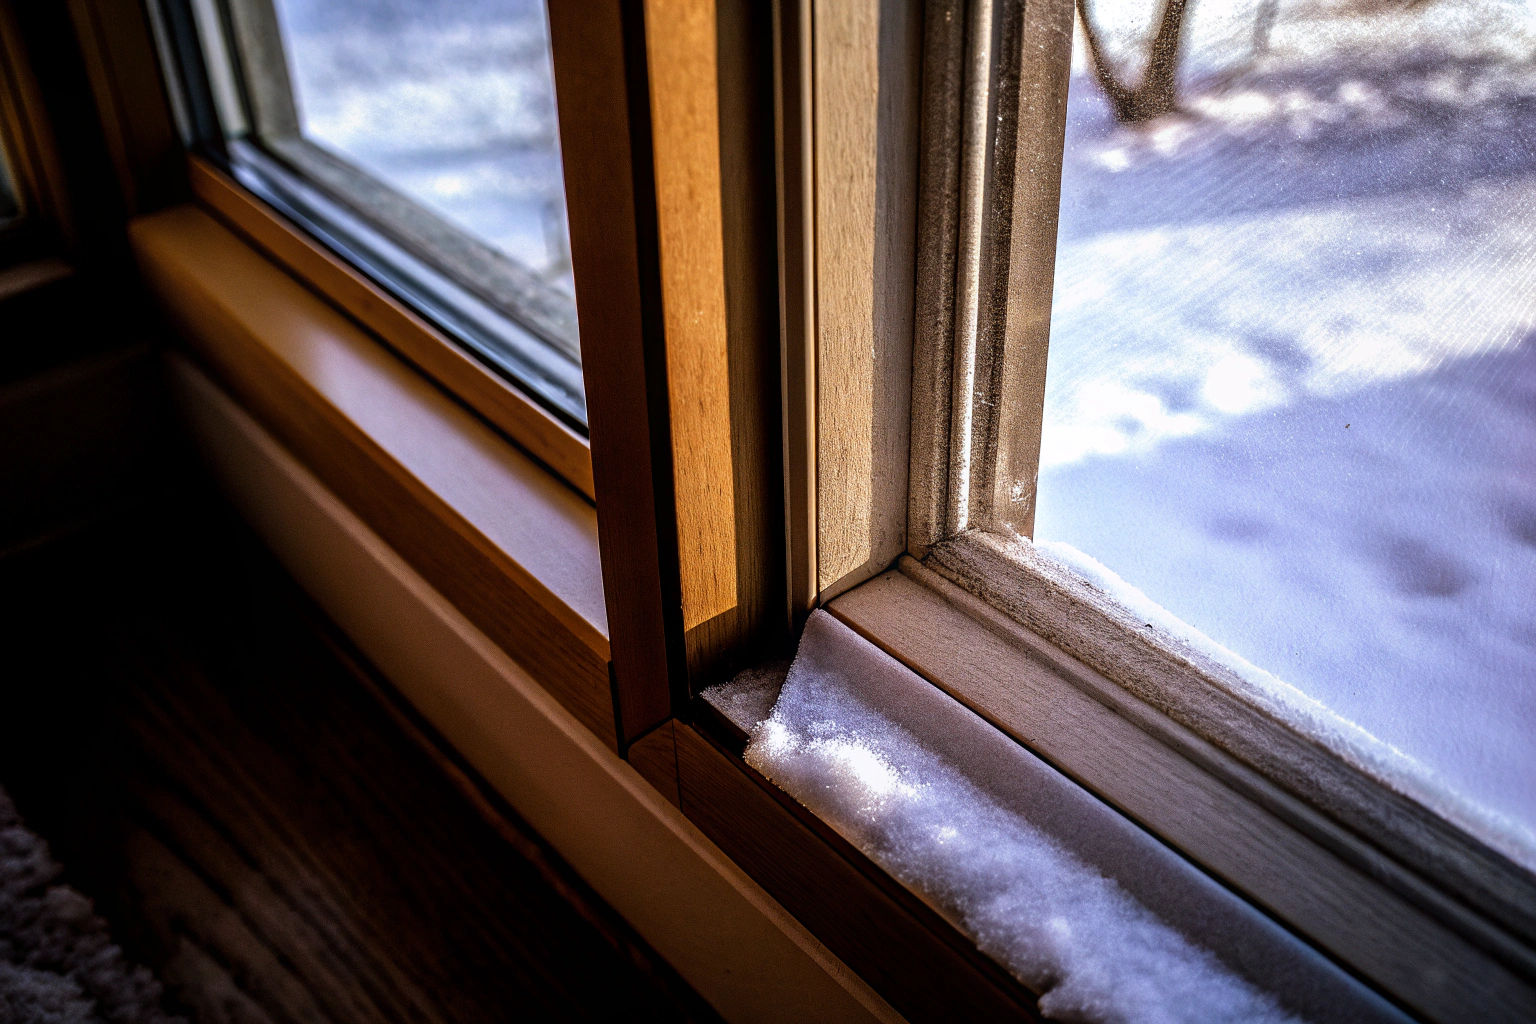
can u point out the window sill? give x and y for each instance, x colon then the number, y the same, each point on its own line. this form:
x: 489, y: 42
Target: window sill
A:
x: 509, y: 544
x: 507, y: 408
x: 1412, y: 940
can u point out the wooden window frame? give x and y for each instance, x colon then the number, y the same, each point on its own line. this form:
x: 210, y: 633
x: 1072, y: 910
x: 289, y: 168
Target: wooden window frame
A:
x: 828, y: 495
x: 306, y: 377
x: 442, y: 298
x: 1362, y: 862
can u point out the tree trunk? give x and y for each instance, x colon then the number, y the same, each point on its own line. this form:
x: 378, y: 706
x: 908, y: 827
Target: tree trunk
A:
x: 1155, y: 94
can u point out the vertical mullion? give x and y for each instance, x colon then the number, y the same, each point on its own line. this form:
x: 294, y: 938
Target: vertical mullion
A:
x: 602, y: 97
x: 1041, y: 49
x: 1017, y: 63
x: 867, y: 70
x: 938, y: 229
x: 976, y: 144
x: 681, y: 54
x: 796, y: 194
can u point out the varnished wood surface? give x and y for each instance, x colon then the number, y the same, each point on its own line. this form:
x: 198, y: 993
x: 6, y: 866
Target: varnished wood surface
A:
x: 505, y: 541
x: 680, y: 39
x: 254, y: 823
x: 756, y: 620
x: 598, y: 49
x: 544, y: 437
x: 654, y: 756
x: 918, y: 963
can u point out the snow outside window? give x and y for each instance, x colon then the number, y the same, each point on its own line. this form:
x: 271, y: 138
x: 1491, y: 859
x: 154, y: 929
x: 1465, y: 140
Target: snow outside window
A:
x: 1291, y: 391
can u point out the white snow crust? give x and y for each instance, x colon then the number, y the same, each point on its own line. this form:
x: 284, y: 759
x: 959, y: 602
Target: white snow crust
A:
x: 1060, y: 925
x: 1291, y: 392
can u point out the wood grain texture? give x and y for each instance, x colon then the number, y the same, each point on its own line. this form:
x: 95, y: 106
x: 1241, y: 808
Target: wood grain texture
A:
x: 507, y: 543
x: 503, y: 404
x: 1244, y: 830
x: 733, y: 943
x: 654, y: 756
x: 215, y: 768
x: 680, y: 39
x: 866, y: 85
x: 925, y: 969
x: 599, y: 59
x: 755, y: 622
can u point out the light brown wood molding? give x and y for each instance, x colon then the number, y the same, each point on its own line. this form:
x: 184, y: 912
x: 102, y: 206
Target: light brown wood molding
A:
x: 510, y: 545
x: 434, y: 353
x: 867, y: 58
x: 681, y: 47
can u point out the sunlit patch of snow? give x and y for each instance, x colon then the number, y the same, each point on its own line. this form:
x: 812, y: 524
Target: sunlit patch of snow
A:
x: 1114, y: 159
x: 1239, y: 384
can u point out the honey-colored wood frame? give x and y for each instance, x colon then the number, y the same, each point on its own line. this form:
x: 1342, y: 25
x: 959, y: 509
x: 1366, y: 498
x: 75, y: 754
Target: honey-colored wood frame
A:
x: 739, y: 949
x: 512, y: 547
x: 507, y: 407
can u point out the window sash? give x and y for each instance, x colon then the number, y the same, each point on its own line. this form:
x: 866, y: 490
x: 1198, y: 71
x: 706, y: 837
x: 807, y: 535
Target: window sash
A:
x: 520, y: 327
x: 995, y: 78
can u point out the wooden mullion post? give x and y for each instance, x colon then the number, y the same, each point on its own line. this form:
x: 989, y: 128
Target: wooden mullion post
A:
x: 603, y: 98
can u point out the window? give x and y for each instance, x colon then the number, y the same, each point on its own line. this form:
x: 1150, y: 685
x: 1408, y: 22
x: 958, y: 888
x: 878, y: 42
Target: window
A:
x: 1220, y: 385
x: 1291, y: 363
x: 998, y: 306
x: 418, y: 140
x: 1285, y: 414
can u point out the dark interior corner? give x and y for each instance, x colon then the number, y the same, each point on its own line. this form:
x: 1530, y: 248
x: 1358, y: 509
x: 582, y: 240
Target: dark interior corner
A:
x: 215, y: 768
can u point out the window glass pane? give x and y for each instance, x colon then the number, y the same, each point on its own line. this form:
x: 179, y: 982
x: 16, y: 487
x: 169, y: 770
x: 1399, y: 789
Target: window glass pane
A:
x: 1291, y: 393
x: 452, y: 102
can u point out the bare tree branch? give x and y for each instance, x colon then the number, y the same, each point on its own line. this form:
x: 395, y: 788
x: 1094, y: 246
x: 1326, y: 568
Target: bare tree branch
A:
x: 1156, y: 93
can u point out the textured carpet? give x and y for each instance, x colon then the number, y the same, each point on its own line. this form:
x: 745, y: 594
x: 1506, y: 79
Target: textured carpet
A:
x: 58, y: 965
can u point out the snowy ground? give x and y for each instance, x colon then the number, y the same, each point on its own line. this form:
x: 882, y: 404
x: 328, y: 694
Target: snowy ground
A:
x: 1291, y: 393
x: 450, y: 101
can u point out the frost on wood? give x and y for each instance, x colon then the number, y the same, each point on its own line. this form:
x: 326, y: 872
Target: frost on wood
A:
x: 992, y: 838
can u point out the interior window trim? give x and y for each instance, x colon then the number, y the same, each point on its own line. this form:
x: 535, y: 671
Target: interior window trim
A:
x: 527, y: 423
x: 603, y: 89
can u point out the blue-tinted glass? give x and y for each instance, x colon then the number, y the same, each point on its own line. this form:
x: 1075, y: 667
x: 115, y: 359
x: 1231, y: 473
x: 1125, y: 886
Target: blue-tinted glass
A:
x: 1291, y: 393
x: 449, y: 101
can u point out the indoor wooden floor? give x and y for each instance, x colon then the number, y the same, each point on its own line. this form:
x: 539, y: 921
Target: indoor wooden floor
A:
x: 258, y: 827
